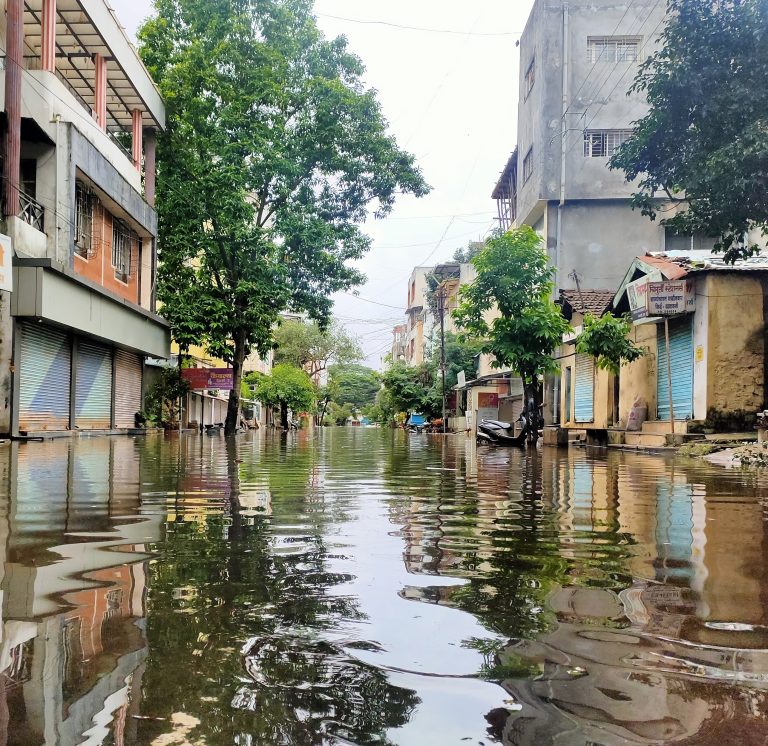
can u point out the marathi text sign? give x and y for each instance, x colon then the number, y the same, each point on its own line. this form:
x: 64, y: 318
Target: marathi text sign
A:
x: 637, y: 295
x: 671, y: 297
x: 209, y: 378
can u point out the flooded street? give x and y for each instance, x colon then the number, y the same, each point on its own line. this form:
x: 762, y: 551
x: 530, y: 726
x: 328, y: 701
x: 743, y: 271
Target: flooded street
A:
x: 363, y: 586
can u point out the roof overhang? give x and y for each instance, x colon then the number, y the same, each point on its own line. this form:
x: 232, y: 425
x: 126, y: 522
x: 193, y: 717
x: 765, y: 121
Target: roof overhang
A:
x: 85, y: 28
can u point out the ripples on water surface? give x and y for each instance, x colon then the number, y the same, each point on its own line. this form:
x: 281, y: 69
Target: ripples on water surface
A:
x: 367, y: 587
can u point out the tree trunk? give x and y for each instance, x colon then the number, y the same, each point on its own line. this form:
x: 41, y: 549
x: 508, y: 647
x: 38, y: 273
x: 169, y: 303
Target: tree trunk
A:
x: 532, y: 407
x: 284, y: 415
x: 233, y: 408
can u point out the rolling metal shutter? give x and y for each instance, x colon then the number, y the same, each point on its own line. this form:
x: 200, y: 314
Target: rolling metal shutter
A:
x: 127, y: 388
x: 44, y: 379
x: 93, y: 387
x: 584, y: 393
x: 681, y: 357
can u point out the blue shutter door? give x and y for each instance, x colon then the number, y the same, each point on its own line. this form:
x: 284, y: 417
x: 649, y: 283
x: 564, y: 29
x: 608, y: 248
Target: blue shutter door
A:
x: 93, y: 398
x: 681, y: 357
x: 44, y: 379
x: 584, y: 393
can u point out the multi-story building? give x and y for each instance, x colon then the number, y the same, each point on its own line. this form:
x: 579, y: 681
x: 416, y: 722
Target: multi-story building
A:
x: 81, y: 112
x: 578, y: 59
x: 415, y: 340
x: 398, y: 342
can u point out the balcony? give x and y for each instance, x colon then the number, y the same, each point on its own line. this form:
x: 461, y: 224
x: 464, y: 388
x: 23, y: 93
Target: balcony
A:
x: 31, y: 212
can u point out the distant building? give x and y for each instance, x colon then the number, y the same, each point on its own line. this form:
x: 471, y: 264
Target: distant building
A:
x: 414, y: 312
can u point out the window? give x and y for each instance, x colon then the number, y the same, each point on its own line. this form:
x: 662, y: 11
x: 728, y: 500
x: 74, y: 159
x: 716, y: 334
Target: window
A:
x: 604, y: 143
x: 613, y: 49
x: 528, y: 165
x: 674, y: 241
x: 83, y: 221
x: 122, y: 248
x: 530, y: 78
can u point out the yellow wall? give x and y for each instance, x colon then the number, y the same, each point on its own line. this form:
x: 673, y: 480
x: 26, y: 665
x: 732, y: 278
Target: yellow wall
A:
x: 735, y: 342
x: 638, y: 379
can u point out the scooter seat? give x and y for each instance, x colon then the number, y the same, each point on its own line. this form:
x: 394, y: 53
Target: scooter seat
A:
x: 497, y: 423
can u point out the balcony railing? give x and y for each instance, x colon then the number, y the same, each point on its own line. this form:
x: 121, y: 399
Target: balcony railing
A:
x: 31, y: 211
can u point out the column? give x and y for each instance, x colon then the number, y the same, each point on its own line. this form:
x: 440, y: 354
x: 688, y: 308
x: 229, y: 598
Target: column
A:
x: 14, y: 61
x: 149, y: 168
x: 100, y: 91
x: 137, y: 138
x: 48, y: 45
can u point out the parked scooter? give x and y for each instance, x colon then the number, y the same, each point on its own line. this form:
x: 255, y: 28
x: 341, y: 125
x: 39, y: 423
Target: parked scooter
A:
x: 496, y: 432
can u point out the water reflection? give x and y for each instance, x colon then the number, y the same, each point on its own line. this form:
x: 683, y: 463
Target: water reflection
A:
x: 73, y: 588
x: 368, y: 587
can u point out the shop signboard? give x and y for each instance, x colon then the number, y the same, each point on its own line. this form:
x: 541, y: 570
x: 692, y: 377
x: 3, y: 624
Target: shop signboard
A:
x: 6, y: 256
x: 637, y: 295
x: 221, y: 379
x: 670, y: 297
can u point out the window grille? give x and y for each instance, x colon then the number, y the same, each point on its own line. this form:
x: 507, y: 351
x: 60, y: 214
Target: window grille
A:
x: 84, y: 201
x: 613, y: 49
x: 604, y: 143
x: 530, y: 78
x: 123, y: 240
x: 528, y: 165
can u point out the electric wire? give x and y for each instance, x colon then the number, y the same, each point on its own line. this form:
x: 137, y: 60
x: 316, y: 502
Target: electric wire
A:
x: 404, y: 27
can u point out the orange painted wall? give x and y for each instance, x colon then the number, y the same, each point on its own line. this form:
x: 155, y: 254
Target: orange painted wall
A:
x: 98, y: 267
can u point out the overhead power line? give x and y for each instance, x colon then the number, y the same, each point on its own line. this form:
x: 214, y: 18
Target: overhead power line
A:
x: 372, y: 22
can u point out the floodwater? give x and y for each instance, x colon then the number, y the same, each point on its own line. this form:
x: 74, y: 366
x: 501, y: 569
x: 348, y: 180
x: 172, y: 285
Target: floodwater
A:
x: 363, y: 586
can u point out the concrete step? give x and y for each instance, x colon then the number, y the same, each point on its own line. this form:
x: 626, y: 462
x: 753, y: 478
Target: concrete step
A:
x: 645, y: 440
x: 662, y: 427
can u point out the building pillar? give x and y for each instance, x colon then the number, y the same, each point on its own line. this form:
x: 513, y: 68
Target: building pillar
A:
x: 137, y: 138
x: 48, y: 45
x: 100, y: 91
x: 149, y: 168
x: 14, y: 65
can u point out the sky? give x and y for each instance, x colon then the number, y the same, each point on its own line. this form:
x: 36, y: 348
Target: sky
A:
x: 448, y: 88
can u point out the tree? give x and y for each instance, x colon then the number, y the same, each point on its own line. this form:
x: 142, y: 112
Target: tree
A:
x: 287, y: 388
x: 514, y: 278
x: 466, y: 255
x: 607, y: 340
x: 272, y: 154
x: 307, y: 346
x: 340, y: 413
x: 705, y: 138
x: 354, y: 384
x: 412, y: 388
x: 161, y: 404
x: 461, y: 354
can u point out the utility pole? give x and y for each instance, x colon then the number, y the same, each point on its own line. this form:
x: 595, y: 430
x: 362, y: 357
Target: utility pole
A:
x: 441, y: 302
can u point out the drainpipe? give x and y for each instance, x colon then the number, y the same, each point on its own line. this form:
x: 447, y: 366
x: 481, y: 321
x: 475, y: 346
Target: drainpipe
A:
x: 563, y: 149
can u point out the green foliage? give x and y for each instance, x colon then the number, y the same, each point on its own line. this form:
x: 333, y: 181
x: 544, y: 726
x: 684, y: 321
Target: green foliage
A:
x: 461, y: 353
x: 287, y: 387
x: 161, y: 402
x: 307, y: 346
x: 412, y: 388
x: 338, y: 414
x: 607, y: 340
x: 463, y: 256
x: 706, y: 133
x: 383, y: 409
x: 273, y: 152
x: 356, y: 385
x: 514, y: 277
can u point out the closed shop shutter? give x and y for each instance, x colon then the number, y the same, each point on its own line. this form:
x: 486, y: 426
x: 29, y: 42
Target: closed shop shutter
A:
x: 128, y: 368
x: 681, y: 357
x: 93, y: 397
x: 44, y: 379
x: 584, y: 391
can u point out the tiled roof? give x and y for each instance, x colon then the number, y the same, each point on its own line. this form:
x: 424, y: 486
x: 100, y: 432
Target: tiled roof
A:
x: 587, y: 301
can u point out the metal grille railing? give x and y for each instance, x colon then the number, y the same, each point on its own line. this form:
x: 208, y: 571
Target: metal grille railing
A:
x: 31, y: 211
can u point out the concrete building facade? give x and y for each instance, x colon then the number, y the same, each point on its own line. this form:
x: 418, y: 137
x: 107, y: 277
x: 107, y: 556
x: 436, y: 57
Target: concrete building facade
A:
x: 79, y: 220
x: 577, y: 62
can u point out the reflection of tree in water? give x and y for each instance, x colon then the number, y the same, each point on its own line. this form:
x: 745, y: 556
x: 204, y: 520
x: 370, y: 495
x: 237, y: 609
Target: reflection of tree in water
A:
x: 225, y: 580
x: 302, y: 689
